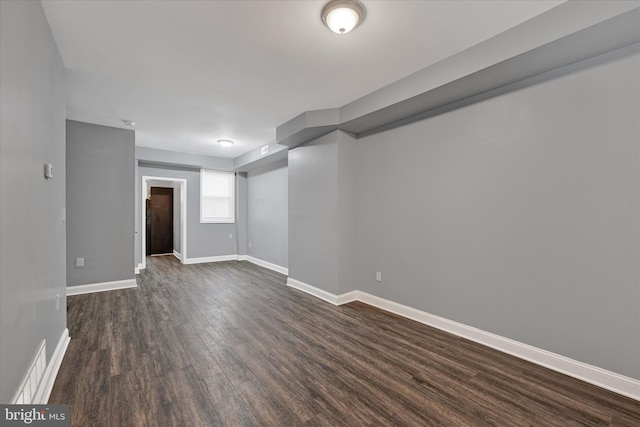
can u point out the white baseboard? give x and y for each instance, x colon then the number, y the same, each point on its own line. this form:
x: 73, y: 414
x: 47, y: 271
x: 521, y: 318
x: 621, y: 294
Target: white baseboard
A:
x: 101, y: 287
x: 348, y: 297
x: 612, y: 381
x: 51, y: 371
x: 266, y: 264
x: 221, y: 258
x: 210, y: 259
x: 312, y: 290
x: 139, y: 268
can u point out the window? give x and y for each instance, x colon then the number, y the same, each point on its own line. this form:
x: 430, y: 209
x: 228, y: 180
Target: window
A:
x: 217, y: 201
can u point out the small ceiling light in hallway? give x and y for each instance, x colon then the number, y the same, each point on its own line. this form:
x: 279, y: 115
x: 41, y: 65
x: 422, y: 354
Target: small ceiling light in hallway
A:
x: 225, y: 142
x: 342, y: 16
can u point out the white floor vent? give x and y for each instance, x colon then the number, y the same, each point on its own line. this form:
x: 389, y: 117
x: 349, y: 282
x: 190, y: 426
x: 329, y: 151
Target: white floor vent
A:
x: 29, y: 386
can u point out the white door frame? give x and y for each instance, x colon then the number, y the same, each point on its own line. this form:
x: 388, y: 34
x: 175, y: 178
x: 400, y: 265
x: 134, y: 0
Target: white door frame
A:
x: 183, y: 215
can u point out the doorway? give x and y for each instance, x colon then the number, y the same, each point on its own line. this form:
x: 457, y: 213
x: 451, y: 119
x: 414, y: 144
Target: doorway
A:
x: 160, y: 237
x: 179, y: 187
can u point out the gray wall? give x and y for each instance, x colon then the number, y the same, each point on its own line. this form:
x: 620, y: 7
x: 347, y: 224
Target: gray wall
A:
x: 347, y: 194
x: 321, y: 213
x: 32, y: 220
x: 268, y: 213
x: 100, y: 197
x: 518, y: 215
x: 313, y: 207
x: 171, y: 160
x: 203, y: 240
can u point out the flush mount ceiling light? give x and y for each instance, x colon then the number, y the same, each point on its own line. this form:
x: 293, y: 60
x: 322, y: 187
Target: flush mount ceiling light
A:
x: 225, y: 142
x: 129, y: 123
x: 342, y: 16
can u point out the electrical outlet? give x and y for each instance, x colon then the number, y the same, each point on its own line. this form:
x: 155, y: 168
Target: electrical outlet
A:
x: 230, y: 236
x: 249, y: 244
x: 57, y: 302
x: 378, y: 276
x: 79, y: 262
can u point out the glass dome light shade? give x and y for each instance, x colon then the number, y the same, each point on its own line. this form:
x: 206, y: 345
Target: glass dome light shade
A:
x: 342, y: 16
x: 342, y: 20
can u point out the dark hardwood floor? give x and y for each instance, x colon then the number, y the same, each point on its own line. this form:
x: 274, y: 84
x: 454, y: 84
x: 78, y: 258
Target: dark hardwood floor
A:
x: 229, y: 344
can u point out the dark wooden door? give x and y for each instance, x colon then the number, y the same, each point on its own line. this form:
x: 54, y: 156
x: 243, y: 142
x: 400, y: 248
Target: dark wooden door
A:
x: 160, y: 221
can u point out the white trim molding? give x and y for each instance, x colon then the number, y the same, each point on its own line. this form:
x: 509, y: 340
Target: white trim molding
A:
x: 266, y: 264
x: 101, y: 287
x: 51, y: 371
x: 312, y: 290
x: 178, y: 255
x: 139, y: 268
x: 612, y: 381
x: 349, y: 297
x: 210, y: 259
x: 242, y: 257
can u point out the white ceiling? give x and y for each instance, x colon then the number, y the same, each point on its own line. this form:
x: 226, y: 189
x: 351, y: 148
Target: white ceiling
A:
x: 192, y: 72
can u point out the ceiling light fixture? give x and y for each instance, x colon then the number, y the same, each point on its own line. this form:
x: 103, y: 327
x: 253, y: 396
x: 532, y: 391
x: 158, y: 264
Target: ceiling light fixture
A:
x: 225, y: 142
x: 342, y: 16
x: 129, y: 123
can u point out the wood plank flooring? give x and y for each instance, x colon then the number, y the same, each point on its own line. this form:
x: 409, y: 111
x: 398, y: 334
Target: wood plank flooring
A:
x: 229, y: 344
